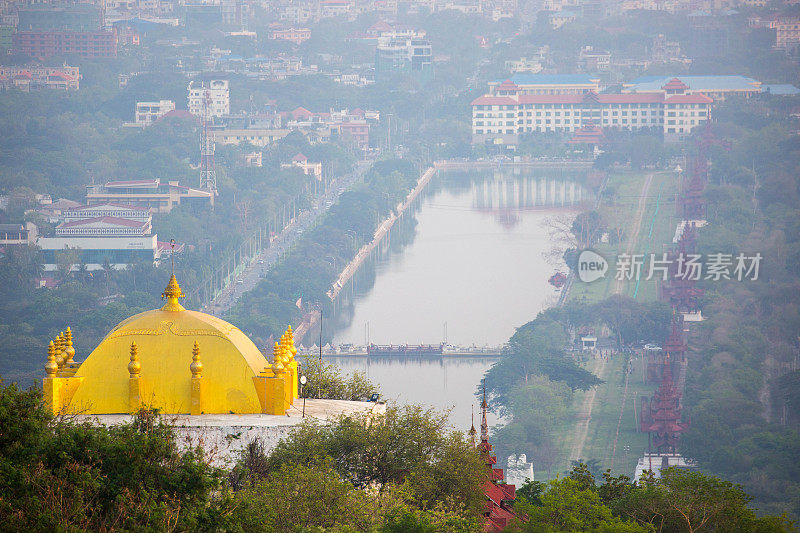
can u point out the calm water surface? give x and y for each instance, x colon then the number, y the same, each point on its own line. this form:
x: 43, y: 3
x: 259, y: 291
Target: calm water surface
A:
x: 468, y: 263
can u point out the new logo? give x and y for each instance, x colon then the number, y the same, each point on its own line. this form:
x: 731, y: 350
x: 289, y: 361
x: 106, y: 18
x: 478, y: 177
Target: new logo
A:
x: 591, y: 266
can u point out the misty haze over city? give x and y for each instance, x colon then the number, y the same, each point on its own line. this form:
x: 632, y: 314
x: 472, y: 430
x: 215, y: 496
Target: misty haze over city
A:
x: 400, y: 265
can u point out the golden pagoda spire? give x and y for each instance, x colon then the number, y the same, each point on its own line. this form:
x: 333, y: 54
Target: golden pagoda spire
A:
x: 134, y: 367
x: 196, y: 367
x: 59, y: 345
x: 286, y: 354
x: 171, y: 293
x: 51, y: 368
x: 69, y: 351
x: 277, y: 365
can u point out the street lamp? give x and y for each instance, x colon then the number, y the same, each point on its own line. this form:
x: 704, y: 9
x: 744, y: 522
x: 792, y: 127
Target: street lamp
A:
x: 303, y: 381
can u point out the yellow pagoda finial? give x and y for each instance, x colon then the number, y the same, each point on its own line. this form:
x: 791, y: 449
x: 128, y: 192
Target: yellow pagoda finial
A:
x: 196, y: 367
x: 286, y: 354
x: 171, y: 293
x: 59, y: 344
x: 51, y: 368
x: 277, y: 364
x: 134, y: 367
x: 69, y: 351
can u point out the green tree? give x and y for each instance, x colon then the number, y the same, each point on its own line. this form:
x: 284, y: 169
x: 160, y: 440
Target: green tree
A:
x: 569, y: 506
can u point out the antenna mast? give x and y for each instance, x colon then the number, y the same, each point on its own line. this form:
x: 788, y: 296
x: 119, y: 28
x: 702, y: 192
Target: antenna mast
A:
x: 208, y: 175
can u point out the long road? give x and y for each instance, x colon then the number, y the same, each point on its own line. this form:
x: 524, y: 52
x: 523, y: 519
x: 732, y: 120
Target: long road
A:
x: 284, y: 241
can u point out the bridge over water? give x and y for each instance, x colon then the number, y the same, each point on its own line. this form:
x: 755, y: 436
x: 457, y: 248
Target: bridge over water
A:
x: 404, y: 350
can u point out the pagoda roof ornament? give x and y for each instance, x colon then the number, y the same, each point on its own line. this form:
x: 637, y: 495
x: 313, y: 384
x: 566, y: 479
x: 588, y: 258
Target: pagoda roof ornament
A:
x: 171, y: 294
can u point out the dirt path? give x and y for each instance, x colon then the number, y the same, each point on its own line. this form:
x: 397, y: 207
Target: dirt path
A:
x: 585, y: 414
x: 637, y: 226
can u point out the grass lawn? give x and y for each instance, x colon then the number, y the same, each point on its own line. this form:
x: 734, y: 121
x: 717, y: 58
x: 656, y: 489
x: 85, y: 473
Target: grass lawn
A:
x: 655, y: 235
x: 655, y: 232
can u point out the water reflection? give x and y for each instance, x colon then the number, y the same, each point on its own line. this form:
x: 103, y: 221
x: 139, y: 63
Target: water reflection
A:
x: 443, y: 383
x: 471, y: 256
x: 465, y: 266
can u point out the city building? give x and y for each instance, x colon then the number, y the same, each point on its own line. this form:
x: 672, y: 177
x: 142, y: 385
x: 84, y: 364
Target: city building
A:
x: 101, y: 235
x: 104, y: 227
x: 335, y: 8
x: 501, y: 117
x: 256, y: 136
x: 551, y: 83
x: 787, y: 32
x: 18, y: 234
x: 96, y: 252
x: 216, y: 92
x: 34, y: 76
x: 111, y: 210
x: 532, y: 66
x: 403, y: 55
x: 664, y: 51
x: 150, y: 193
x: 87, y: 45
x: 715, y: 87
x: 560, y: 18
x: 6, y: 40
x: 309, y: 169
x: 592, y: 60
x: 149, y: 112
x: 294, y: 35
x: 60, y: 18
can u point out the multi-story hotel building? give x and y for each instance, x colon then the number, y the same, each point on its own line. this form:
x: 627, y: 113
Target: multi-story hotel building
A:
x: 85, y: 44
x: 219, y: 97
x: 503, y: 116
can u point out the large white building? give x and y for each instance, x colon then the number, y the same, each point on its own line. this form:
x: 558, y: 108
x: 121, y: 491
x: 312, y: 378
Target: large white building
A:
x: 218, y: 95
x: 102, y: 234
x: 148, y: 194
x: 503, y: 116
x: 149, y: 112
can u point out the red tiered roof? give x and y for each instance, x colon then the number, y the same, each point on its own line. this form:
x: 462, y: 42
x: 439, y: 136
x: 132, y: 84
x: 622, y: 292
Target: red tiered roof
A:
x: 508, y: 86
x: 588, y: 134
x: 675, y: 85
x: 663, y: 418
x: 498, y: 508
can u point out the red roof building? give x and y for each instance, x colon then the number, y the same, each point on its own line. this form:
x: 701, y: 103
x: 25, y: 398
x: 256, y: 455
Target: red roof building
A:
x: 498, y: 509
x: 85, y: 44
x: 502, y: 116
x: 588, y: 134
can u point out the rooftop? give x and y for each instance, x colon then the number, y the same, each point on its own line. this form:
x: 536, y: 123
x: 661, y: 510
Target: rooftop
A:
x: 551, y: 79
x: 695, y: 83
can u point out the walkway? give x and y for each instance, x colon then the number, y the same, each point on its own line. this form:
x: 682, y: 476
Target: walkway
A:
x: 637, y: 226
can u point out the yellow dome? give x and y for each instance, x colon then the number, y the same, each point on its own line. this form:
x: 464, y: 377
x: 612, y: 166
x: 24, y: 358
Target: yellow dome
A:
x: 165, y: 339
